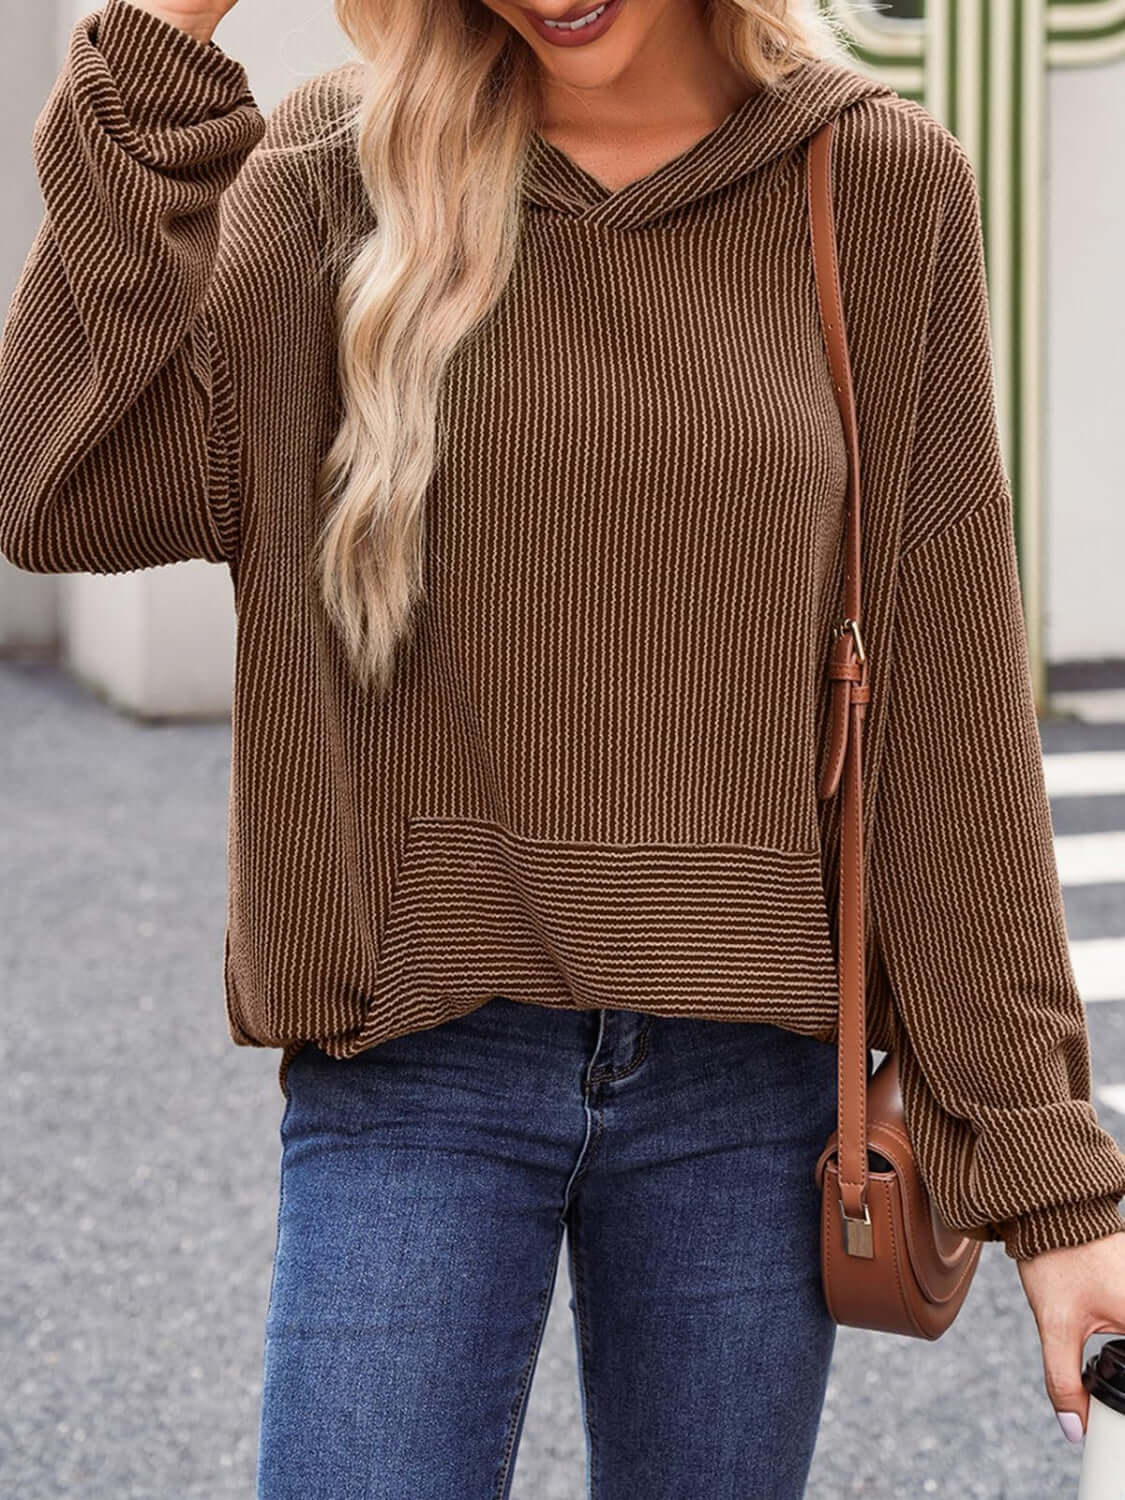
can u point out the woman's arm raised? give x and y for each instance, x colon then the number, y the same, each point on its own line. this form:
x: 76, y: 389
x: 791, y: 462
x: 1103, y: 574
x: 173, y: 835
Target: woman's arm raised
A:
x: 118, y: 433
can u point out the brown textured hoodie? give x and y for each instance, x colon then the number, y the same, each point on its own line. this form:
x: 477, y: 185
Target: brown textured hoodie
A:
x: 593, y: 782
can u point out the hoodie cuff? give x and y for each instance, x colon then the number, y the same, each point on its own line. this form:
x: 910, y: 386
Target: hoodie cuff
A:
x: 164, y: 77
x: 1059, y: 1226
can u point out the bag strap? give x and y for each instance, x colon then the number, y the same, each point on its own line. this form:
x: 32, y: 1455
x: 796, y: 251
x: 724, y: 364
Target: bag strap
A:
x: 847, y: 671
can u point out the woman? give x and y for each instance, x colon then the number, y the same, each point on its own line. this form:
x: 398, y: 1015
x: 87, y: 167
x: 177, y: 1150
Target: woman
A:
x: 495, y: 376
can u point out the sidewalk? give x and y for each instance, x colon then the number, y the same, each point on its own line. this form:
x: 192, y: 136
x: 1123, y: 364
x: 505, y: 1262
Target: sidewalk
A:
x: 141, y: 1166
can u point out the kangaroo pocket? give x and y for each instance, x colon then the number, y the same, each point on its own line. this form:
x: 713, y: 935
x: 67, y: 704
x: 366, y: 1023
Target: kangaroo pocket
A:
x: 718, y: 930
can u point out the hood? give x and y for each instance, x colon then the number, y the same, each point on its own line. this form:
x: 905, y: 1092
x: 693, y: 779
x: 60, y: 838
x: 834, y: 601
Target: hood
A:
x: 760, y: 129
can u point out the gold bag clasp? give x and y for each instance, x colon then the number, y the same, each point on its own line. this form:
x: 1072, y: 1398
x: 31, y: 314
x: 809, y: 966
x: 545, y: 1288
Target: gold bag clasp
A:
x: 857, y: 1233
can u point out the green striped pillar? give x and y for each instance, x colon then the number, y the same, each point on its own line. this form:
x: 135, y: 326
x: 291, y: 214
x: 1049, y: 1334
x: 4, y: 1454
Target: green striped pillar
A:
x: 980, y: 67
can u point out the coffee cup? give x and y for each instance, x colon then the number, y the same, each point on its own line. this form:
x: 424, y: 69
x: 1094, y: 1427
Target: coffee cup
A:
x: 1103, y: 1452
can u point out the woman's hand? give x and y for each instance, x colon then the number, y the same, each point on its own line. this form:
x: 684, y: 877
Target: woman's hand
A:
x: 197, y: 17
x: 1074, y: 1292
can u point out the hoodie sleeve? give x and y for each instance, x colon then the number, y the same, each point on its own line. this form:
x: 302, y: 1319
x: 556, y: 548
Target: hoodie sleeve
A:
x: 119, y: 437
x: 967, y: 908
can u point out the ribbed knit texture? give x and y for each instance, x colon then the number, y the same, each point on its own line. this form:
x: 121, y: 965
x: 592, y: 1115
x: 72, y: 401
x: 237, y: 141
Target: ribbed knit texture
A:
x: 593, y: 782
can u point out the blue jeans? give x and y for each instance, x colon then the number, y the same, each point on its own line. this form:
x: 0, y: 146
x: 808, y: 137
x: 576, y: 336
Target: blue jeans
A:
x: 425, y: 1186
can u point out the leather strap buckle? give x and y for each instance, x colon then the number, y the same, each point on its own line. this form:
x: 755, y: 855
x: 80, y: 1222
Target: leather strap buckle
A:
x: 853, y: 626
x: 857, y: 1233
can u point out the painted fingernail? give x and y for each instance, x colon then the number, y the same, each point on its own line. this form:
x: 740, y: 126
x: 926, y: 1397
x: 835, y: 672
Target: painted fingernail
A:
x: 1071, y: 1424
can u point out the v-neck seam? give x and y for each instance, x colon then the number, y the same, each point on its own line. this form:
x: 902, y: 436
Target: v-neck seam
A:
x: 762, y: 126
x: 598, y: 193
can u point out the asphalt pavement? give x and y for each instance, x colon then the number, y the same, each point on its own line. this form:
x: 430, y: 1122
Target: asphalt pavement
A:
x: 140, y: 1157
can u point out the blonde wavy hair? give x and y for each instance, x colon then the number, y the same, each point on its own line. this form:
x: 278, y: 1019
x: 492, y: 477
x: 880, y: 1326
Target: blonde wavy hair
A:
x: 449, y: 97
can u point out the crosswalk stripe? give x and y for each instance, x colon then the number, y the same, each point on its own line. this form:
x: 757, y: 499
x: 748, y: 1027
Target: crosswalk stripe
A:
x: 1100, y: 706
x: 1091, y: 858
x: 1099, y: 968
x: 1112, y: 1094
x: 1087, y: 773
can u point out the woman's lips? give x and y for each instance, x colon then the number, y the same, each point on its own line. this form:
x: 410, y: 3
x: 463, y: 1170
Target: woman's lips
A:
x: 578, y: 37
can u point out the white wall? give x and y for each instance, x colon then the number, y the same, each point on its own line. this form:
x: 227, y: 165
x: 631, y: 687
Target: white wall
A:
x: 28, y: 61
x: 1085, y: 478
x: 159, y: 641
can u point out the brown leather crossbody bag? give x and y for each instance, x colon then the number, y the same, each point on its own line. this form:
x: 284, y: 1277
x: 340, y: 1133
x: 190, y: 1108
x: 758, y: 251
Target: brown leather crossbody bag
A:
x: 888, y: 1261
